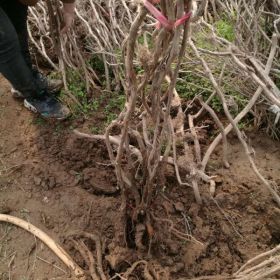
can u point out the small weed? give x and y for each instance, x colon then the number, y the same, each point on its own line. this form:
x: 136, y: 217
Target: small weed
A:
x: 95, y: 105
x: 114, y: 106
x: 216, y: 104
x: 203, y: 41
x: 192, y: 83
x: 245, y: 124
x: 97, y: 64
x: 141, y: 40
x: 116, y: 102
x: 110, y: 118
x: 139, y: 70
x: 225, y: 29
x: 96, y: 130
x: 78, y: 88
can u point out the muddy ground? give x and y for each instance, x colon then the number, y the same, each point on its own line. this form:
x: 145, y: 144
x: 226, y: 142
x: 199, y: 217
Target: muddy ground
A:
x: 51, y: 178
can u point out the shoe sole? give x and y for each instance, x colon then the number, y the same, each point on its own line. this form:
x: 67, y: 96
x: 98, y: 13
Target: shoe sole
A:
x: 16, y: 94
x: 34, y: 110
x: 30, y: 107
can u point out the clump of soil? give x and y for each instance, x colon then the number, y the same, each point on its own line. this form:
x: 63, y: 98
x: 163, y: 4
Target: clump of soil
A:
x: 61, y: 183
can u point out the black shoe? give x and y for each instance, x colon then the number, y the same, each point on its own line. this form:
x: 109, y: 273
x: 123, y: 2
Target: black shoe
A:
x: 53, y: 86
x: 48, y: 107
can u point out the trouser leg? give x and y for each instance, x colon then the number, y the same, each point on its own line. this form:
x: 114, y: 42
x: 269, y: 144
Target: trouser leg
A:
x: 17, y: 13
x: 12, y: 63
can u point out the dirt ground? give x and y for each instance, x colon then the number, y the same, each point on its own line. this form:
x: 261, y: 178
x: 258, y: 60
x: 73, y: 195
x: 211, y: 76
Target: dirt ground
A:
x: 51, y: 178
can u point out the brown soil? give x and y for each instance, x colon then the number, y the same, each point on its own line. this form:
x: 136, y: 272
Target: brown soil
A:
x: 52, y: 179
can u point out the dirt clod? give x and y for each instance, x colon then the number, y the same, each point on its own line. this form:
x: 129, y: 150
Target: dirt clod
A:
x: 177, y: 268
x: 179, y: 206
x: 274, y: 223
x: 4, y: 209
x: 37, y: 181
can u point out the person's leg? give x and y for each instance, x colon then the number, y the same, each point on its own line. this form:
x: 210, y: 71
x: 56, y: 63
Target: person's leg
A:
x: 17, y: 13
x: 12, y: 64
x: 15, y: 69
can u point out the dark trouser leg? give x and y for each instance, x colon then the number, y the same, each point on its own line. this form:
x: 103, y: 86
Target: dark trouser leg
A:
x: 12, y: 64
x: 17, y: 13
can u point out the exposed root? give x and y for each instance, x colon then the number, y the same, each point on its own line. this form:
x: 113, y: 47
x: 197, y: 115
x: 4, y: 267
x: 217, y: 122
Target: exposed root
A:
x: 58, y: 251
x: 87, y: 256
x: 139, y: 234
x: 86, y: 253
x: 150, y: 271
x: 261, y: 267
x: 175, y: 232
x: 270, y: 255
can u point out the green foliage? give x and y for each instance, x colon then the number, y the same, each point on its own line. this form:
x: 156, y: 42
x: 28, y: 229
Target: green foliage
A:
x: 139, y: 70
x: 116, y: 102
x: 191, y: 85
x: 97, y: 64
x: 96, y: 130
x: 77, y: 87
x: 115, y: 105
x: 107, y: 104
x: 202, y: 41
x: 216, y: 104
x: 243, y: 125
x: 141, y: 40
x: 225, y: 29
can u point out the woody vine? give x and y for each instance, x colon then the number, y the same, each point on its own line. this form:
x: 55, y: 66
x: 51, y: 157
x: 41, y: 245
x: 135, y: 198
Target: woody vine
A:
x: 149, y: 135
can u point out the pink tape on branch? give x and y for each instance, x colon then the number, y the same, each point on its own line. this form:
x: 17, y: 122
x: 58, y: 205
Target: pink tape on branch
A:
x: 162, y: 20
x: 158, y: 15
x: 183, y: 19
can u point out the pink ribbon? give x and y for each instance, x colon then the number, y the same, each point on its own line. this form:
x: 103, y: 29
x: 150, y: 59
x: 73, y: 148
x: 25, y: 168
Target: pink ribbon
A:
x: 158, y: 15
x: 183, y: 19
x: 162, y: 20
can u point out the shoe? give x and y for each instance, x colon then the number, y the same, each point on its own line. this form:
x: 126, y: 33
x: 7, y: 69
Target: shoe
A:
x: 53, y: 86
x: 16, y: 94
x: 48, y: 107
